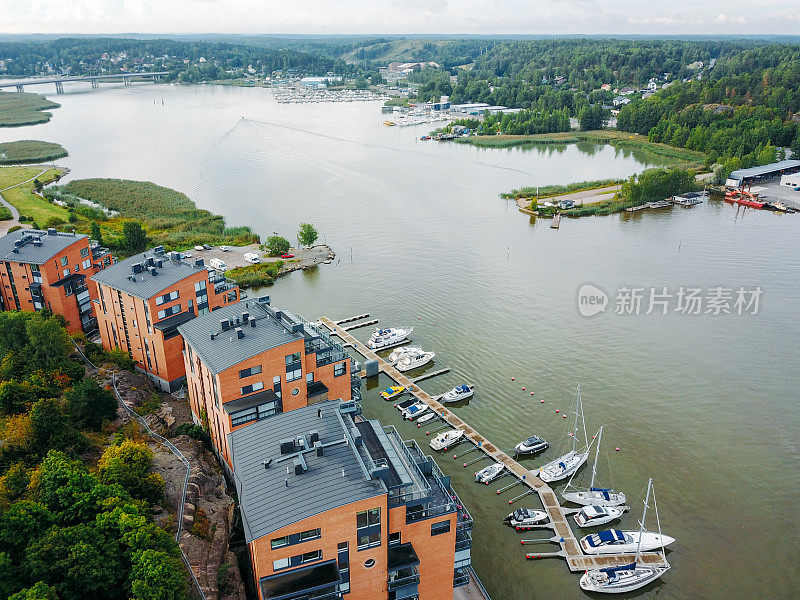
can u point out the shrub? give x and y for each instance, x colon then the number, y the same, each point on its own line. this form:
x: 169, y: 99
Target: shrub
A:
x: 54, y: 222
x: 122, y: 359
x: 88, y: 405
x: 194, y: 431
x: 14, y: 228
x: 277, y: 245
x: 201, y: 526
x: 151, y: 405
x: 129, y: 465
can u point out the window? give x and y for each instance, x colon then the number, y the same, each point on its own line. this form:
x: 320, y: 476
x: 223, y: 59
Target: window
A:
x: 310, y: 534
x: 294, y: 370
x: 339, y: 369
x: 65, y: 272
x: 84, y: 252
x: 64, y: 261
x: 168, y: 312
x: 279, y: 542
x: 311, y: 556
x: 173, y: 295
x: 309, y: 378
x: 86, y: 264
x: 253, y: 387
x: 368, y: 528
x: 342, y: 547
x: 199, y: 286
x: 190, y: 305
x: 251, y: 371
x: 441, y: 527
x: 77, y: 268
x: 280, y: 564
x: 394, y: 538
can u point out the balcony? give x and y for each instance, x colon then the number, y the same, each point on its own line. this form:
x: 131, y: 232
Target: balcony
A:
x: 316, y: 582
x: 403, y: 574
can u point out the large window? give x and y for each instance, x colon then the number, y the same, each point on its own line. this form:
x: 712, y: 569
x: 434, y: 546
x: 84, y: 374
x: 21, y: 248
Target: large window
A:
x: 253, y: 387
x: 294, y: 369
x: 310, y: 556
x: 280, y: 564
x: 173, y: 295
x: 309, y: 535
x: 339, y: 369
x: 440, y: 527
x: 279, y: 542
x: 168, y: 312
x: 368, y: 528
x: 251, y: 371
x: 64, y: 261
x: 84, y: 252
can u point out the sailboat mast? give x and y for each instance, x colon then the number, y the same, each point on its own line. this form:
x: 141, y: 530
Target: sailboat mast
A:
x: 641, y: 525
x: 575, y: 428
x: 596, y: 454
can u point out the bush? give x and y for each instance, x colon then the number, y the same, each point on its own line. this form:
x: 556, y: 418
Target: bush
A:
x: 88, y: 405
x: 151, y: 405
x: 255, y: 275
x: 277, y: 245
x: 194, y: 431
x: 5, y: 214
x: 120, y: 358
x: 129, y: 465
x: 54, y: 222
x: 14, y: 228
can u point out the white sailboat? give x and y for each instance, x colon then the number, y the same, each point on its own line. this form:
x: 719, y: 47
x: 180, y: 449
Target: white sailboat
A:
x: 626, y: 578
x: 566, y: 465
x: 594, y: 495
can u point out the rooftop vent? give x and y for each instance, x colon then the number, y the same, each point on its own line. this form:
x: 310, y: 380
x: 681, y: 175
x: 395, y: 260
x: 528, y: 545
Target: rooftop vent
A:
x: 278, y: 314
x: 175, y: 256
x: 212, y: 335
x: 160, y: 263
x: 239, y: 333
x: 253, y: 323
x: 51, y: 231
x: 136, y: 267
x: 287, y: 446
x: 153, y: 271
x: 313, y: 435
x: 198, y: 262
x: 263, y: 299
x: 159, y: 249
x: 300, y: 465
x: 150, y: 261
x: 245, y: 317
x: 319, y: 448
x: 223, y: 323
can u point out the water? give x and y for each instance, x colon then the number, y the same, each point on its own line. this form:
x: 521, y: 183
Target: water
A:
x: 706, y: 405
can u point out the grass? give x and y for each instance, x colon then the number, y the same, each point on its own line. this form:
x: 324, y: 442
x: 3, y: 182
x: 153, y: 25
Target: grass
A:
x: 548, y: 191
x: 30, y: 151
x: 22, y: 197
x: 396, y: 102
x: 620, y: 139
x: 20, y: 108
x: 256, y: 275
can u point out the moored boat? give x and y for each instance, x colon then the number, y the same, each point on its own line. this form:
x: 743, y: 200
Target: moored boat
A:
x: 446, y: 439
x: 392, y: 392
x: 490, y: 473
x: 566, y: 465
x: 413, y: 411
x: 524, y: 518
x: 594, y: 495
x: 388, y: 336
x: 531, y: 445
x: 458, y: 393
x: 414, y: 359
x: 616, y: 541
x: 591, y: 516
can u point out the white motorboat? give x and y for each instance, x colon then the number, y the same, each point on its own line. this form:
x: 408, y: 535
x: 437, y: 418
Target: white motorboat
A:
x: 591, y: 516
x: 531, y: 445
x: 425, y: 418
x: 389, y: 336
x: 400, y: 352
x: 414, y: 359
x: 626, y: 578
x: 488, y: 474
x: 413, y: 411
x: 566, y: 465
x: 446, y: 439
x: 458, y: 393
x: 616, y: 541
x: 594, y: 495
x: 524, y: 518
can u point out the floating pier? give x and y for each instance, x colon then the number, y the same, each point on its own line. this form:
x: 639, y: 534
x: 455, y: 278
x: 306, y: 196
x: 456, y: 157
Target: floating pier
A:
x: 425, y: 376
x: 570, y: 548
x: 359, y: 325
x: 556, y: 222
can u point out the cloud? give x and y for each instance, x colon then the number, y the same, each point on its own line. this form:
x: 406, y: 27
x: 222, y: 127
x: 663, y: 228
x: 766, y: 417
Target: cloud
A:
x: 723, y: 18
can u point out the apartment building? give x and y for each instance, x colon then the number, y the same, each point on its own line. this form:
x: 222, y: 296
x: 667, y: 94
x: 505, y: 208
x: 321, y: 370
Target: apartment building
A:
x: 335, y: 506
x: 141, y: 301
x: 249, y: 361
x: 48, y: 269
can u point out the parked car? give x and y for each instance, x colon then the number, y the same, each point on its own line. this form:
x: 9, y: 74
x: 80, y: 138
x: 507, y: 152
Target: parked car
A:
x: 186, y: 255
x: 199, y: 248
x: 206, y: 247
x: 223, y: 248
x: 287, y: 255
x: 251, y: 257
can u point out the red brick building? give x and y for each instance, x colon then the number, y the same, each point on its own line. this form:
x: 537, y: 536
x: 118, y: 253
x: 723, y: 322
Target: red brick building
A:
x: 248, y: 361
x: 48, y: 269
x: 335, y: 506
x: 140, y: 301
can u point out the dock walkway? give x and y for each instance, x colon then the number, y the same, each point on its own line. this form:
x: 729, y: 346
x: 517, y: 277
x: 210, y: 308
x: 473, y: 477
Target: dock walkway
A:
x: 570, y: 548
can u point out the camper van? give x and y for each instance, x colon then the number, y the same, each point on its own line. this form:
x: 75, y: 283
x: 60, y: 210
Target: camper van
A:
x: 251, y: 257
x: 218, y: 264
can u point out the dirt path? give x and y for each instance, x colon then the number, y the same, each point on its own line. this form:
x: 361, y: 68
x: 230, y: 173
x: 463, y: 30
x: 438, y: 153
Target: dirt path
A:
x: 579, y: 198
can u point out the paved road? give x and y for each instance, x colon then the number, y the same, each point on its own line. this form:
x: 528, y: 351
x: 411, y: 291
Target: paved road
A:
x: 6, y: 225
x: 579, y: 198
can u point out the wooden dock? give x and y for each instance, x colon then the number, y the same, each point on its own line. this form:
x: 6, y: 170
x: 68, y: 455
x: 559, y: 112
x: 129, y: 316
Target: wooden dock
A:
x: 570, y: 548
x: 556, y: 222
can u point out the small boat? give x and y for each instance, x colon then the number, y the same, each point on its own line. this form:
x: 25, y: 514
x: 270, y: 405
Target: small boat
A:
x: 488, y: 474
x: 414, y: 359
x: 592, y: 515
x: 458, y: 393
x: 414, y: 411
x: 615, y: 541
x: 743, y: 198
x: 566, y: 465
x: 626, y: 578
x: 399, y: 353
x: 389, y: 123
x: 425, y: 418
x: 446, y: 439
x: 392, y: 392
x: 524, y: 518
x: 531, y: 445
x: 389, y: 336
x: 594, y: 495
x: 425, y: 137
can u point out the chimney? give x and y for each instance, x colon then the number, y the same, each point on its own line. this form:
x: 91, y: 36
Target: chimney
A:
x: 300, y: 465
x: 320, y: 450
x: 313, y: 435
x: 287, y: 446
x: 253, y: 323
x: 51, y: 231
x: 245, y: 317
x: 223, y: 323
x: 199, y: 262
x: 239, y: 333
x: 153, y: 271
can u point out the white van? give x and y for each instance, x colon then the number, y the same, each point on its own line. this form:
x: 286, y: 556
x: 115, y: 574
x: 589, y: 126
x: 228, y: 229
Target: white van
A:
x: 218, y: 264
x: 251, y: 257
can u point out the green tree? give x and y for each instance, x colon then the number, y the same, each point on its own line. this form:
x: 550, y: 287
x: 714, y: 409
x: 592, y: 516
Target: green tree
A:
x: 39, y: 591
x: 307, y: 234
x: 129, y: 465
x: 51, y: 429
x: 96, y: 234
x: 37, y: 185
x: 592, y: 117
x: 133, y: 237
x: 9, y: 576
x: 277, y: 245
x: 88, y: 405
x: 156, y: 575
x: 15, y: 397
x: 22, y: 522
x: 49, y: 342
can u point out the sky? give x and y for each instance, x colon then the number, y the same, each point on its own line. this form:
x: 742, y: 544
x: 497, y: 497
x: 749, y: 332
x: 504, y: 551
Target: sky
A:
x: 655, y: 17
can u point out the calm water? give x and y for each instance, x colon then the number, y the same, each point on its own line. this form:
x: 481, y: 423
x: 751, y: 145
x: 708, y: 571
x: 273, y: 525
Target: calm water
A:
x: 706, y: 405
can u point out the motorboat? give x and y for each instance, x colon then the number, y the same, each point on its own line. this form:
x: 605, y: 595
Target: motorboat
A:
x: 414, y: 411
x: 524, y: 518
x: 392, y: 392
x: 399, y: 353
x: 425, y: 418
x: 616, y: 541
x: 413, y: 360
x: 531, y: 445
x: 626, y: 578
x: 490, y: 473
x: 594, y: 495
x: 743, y: 198
x: 389, y: 336
x: 446, y: 439
x: 590, y: 516
x: 458, y: 393
x: 565, y: 466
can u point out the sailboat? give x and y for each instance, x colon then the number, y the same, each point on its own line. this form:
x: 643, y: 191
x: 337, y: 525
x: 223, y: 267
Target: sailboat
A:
x: 594, y: 495
x: 566, y: 465
x: 626, y: 578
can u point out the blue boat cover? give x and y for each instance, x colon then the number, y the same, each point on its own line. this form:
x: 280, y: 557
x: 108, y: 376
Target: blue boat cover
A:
x: 605, y: 537
x: 604, y: 490
x: 612, y: 570
x: 562, y: 465
x: 461, y: 389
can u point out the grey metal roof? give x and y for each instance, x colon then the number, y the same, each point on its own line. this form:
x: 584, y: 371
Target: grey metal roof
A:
x: 226, y: 349
x: 120, y: 276
x: 332, y: 480
x: 765, y: 169
x: 41, y: 247
x: 250, y: 401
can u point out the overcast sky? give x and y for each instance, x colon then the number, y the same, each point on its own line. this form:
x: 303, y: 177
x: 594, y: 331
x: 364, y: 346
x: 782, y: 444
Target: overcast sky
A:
x: 402, y: 17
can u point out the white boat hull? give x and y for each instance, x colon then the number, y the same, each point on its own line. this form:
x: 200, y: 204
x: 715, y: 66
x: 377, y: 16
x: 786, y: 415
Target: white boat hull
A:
x: 620, y: 582
x: 407, y: 364
x: 450, y: 396
x: 447, y: 439
x: 528, y: 521
x: 489, y: 474
x: 650, y: 541
x: 589, y: 498
x: 398, y: 335
x: 554, y: 471
x: 581, y: 519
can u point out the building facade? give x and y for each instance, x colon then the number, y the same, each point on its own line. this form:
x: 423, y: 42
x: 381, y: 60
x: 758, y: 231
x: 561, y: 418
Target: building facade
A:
x: 249, y: 361
x: 49, y: 269
x: 141, y: 300
x: 336, y: 506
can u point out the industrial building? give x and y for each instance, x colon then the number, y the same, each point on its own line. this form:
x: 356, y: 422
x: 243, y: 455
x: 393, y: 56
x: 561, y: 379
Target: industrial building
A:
x: 48, y: 269
x: 335, y: 506
x: 752, y: 175
x: 248, y: 361
x: 141, y: 300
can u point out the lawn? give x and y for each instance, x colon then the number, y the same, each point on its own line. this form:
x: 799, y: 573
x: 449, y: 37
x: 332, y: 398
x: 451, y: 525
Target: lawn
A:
x: 21, y: 108
x: 30, y: 151
x: 22, y: 196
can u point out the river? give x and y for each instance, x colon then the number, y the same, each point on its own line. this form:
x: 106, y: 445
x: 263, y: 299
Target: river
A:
x: 705, y: 404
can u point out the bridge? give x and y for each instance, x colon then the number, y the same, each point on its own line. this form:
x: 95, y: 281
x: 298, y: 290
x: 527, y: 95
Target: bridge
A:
x: 93, y: 79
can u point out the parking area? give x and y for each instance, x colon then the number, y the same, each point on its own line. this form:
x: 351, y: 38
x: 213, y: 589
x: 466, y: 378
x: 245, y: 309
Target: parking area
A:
x: 234, y: 257
x: 773, y: 191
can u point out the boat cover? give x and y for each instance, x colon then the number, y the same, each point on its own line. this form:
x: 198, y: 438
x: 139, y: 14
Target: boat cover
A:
x: 462, y: 389
x: 612, y: 570
x: 604, y: 490
x: 606, y: 537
